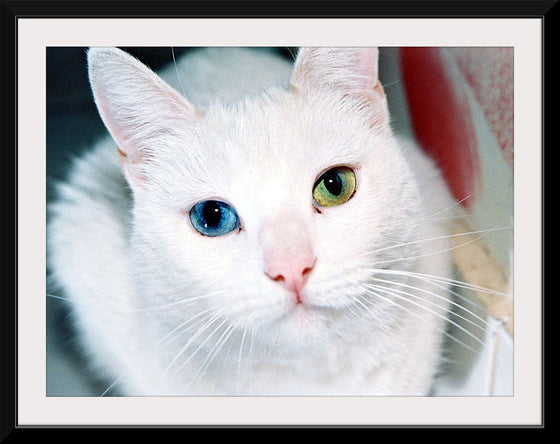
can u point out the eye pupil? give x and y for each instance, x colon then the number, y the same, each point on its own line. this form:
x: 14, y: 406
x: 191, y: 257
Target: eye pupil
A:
x: 333, y: 183
x: 212, y: 214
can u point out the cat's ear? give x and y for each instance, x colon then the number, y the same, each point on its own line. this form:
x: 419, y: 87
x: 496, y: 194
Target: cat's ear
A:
x: 136, y: 105
x: 349, y: 71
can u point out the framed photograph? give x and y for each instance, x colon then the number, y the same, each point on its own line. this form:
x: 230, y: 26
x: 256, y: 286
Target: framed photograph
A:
x: 276, y: 218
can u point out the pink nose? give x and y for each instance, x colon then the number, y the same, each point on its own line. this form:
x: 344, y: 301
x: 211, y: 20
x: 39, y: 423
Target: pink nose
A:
x: 291, y: 272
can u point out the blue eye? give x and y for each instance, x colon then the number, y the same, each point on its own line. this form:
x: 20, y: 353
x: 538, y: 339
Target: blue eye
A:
x: 214, y: 218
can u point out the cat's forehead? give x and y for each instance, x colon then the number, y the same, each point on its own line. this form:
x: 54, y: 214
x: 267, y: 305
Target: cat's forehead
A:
x: 285, y: 130
x: 270, y: 148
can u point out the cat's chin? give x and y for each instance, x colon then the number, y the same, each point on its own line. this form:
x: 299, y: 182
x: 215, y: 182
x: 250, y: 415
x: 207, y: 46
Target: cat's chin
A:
x: 302, y: 325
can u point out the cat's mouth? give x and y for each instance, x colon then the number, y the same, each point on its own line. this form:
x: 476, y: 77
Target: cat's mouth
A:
x: 305, y: 317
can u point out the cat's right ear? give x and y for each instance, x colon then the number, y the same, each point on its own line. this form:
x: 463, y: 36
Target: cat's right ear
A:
x: 346, y: 71
x: 136, y: 105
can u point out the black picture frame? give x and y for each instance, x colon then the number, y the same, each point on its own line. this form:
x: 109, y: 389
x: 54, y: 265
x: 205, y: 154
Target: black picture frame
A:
x: 12, y: 11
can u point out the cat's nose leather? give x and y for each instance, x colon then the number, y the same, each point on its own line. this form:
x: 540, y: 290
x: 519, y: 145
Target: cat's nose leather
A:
x: 287, y: 251
x: 291, y: 272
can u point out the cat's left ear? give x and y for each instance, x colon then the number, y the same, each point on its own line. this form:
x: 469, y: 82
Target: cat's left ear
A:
x: 138, y: 108
x: 346, y: 71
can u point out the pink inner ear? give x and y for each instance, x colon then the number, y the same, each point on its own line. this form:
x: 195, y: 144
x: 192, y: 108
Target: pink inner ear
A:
x: 125, y: 153
x: 368, y: 63
x: 132, y: 174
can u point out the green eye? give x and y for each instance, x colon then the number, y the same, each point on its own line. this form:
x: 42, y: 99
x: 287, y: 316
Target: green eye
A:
x: 334, y: 187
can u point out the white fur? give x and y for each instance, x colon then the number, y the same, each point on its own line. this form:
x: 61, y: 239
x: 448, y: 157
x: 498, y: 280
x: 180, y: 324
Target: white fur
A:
x: 130, y: 258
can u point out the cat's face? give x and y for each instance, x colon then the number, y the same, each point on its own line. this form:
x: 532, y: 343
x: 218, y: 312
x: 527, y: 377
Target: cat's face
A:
x: 269, y: 213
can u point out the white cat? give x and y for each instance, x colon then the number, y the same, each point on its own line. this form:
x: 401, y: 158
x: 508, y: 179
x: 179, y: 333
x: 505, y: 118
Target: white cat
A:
x: 263, y: 246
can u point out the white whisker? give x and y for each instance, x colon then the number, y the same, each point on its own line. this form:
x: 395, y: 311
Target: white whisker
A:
x: 440, y: 279
x: 201, y: 345
x: 416, y: 315
x: 484, y: 233
x: 412, y: 287
x: 183, y: 324
x: 239, y: 360
x: 159, y: 345
x: 464, y: 299
x: 208, y: 323
x: 138, y: 310
x: 454, y: 205
x: 111, y: 386
x: 375, y: 316
x: 213, y: 351
x: 177, y: 71
x: 439, y: 315
x: 456, y: 216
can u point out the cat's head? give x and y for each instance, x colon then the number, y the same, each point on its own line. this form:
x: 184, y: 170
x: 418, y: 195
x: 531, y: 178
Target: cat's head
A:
x: 267, y: 212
